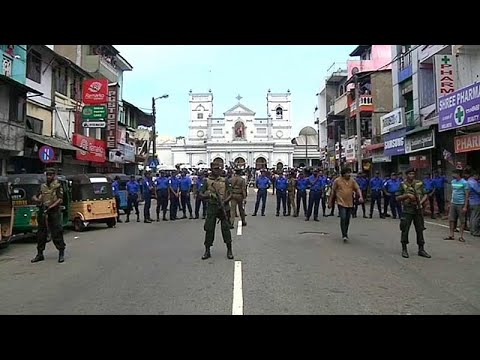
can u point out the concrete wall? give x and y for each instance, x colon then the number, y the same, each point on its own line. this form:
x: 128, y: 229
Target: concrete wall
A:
x: 68, y: 51
x: 468, y: 68
x: 382, y: 97
x: 40, y: 112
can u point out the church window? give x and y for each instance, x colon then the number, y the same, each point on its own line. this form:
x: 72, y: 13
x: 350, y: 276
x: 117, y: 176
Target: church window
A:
x: 279, y: 113
x: 200, y: 116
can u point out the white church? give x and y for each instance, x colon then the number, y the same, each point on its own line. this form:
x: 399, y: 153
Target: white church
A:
x: 239, y: 136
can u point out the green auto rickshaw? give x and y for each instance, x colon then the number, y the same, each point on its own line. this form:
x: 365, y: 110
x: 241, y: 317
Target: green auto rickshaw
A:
x: 23, y: 188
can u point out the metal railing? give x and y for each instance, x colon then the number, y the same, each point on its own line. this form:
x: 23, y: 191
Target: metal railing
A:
x: 405, y: 60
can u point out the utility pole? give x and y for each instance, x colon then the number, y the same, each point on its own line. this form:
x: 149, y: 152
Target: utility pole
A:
x: 306, y: 150
x: 359, y: 127
x: 154, y: 129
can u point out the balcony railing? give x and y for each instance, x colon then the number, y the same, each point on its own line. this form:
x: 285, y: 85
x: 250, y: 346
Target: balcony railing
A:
x: 410, y: 118
x: 405, y: 60
x: 363, y: 101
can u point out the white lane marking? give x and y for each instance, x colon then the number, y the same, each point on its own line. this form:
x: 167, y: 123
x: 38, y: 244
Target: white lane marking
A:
x: 239, y: 227
x: 432, y: 223
x: 237, y: 307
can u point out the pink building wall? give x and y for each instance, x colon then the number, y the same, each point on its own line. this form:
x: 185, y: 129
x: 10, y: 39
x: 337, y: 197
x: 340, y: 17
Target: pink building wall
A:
x: 381, y: 55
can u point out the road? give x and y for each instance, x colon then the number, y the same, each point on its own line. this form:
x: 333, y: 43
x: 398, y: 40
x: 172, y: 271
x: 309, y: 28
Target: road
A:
x: 288, y: 266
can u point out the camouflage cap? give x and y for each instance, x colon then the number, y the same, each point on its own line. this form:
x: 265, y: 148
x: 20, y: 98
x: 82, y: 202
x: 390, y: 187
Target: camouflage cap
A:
x: 50, y: 170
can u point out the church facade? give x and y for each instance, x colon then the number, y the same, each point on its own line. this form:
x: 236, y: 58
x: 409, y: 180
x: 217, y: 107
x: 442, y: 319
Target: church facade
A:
x: 239, y: 136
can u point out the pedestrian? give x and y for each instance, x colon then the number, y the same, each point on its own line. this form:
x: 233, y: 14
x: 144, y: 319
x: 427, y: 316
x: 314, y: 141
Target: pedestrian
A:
x: 148, y: 191
x: 314, y: 196
x: 239, y: 196
x: 218, y: 191
x: 302, y: 185
x: 325, y: 181
x: 198, y: 199
x: 116, y: 193
x: 439, y: 182
x: 174, y: 188
x: 282, y: 185
x: 342, y: 190
x: 376, y: 186
x: 458, y: 205
x: 133, y: 189
x: 428, y: 186
x: 328, y: 191
x: 386, y: 197
x: 263, y: 184
x: 291, y: 190
x: 412, y: 194
x: 161, y: 191
x: 391, y: 188
x: 362, y: 182
x: 474, y: 203
x: 185, y: 189
x: 49, y: 198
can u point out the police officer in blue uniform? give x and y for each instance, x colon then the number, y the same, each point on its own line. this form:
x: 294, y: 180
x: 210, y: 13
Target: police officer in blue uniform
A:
x: 429, y: 188
x: 376, y: 186
x: 263, y: 184
x: 116, y: 193
x: 147, y: 191
x: 386, y: 197
x: 281, y: 185
x: 362, y: 182
x: 325, y: 181
x: 302, y: 185
x: 392, y: 186
x: 133, y: 188
x: 198, y: 199
x: 315, y: 184
x: 439, y: 182
x: 185, y: 188
x: 174, y: 187
x: 161, y: 189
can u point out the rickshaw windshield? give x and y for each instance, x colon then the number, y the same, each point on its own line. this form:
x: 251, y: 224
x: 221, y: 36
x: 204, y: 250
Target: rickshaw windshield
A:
x: 4, y: 192
x: 22, y: 193
x: 95, y: 191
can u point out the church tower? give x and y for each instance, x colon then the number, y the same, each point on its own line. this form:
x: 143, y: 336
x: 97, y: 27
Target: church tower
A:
x: 201, y: 109
x: 279, y: 114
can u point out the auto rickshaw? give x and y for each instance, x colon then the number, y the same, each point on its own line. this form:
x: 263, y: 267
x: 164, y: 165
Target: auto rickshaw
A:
x: 122, y: 193
x: 23, y: 188
x: 92, y: 201
x: 6, y: 213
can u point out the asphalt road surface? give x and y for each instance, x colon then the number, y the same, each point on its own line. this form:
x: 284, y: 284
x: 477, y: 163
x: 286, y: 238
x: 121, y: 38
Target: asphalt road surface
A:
x: 282, y: 265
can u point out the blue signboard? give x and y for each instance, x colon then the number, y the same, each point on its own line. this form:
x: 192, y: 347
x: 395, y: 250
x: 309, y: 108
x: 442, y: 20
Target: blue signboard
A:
x: 153, y: 163
x: 394, y: 143
x: 46, y: 154
x: 460, y: 108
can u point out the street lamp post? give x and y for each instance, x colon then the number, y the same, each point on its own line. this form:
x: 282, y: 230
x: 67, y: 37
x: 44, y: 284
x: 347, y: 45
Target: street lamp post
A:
x: 155, y: 122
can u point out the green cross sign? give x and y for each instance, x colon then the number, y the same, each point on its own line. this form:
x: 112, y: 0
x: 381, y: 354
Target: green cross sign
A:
x: 459, y: 115
x: 446, y: 60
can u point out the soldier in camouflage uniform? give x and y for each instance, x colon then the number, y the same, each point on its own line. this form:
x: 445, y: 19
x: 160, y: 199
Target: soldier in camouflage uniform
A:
x: 291, y: 190
x: 50, y: 199
x: 412, y: 195
x: 239, y: 196
x: 213, y: 185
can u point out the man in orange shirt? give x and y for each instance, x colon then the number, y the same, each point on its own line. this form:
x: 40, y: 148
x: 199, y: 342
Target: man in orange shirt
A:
x: 342, y: 190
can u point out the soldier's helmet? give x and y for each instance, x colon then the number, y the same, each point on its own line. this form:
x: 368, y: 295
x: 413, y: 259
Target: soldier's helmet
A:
x: 50, y: 170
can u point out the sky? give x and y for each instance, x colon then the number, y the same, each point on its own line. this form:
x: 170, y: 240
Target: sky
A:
x: 228, y: 70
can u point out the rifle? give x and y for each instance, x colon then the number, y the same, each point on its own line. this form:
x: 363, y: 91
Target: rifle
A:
x: 221, y: 204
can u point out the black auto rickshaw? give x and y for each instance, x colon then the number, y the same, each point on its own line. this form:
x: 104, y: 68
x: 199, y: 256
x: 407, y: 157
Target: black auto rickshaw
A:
x: 23, y: 188
x: 122, y: 193
x: 6, y: 213
x: 92, y: 200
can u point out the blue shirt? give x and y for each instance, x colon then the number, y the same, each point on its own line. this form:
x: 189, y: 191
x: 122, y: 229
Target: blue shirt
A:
x: 162, y: 183
x: 474, y: 198
x: 174, y: 183
x: 362, y: 183
x: 263, y: 182
x: 133, y: 187
x: 314, y: 183
x: 185, y: 183
x: 200, y: 181
x: 428, y: 185
x: 147, y: 183
x: 116, y: 188
x: 439, y: 182
x: 392, y: 186
x: 376, y: 184
x: 282, y: 183
x: 459, y: 188
x: 302, y: 184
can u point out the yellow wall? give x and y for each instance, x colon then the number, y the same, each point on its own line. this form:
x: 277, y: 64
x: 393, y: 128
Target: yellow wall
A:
x: 39, y: 112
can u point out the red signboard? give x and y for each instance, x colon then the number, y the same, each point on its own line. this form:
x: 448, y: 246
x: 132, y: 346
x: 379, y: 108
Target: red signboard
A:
x: 112, y: 116
x: 95, y: 149
x: 467, y: 143
x: 95, y: 91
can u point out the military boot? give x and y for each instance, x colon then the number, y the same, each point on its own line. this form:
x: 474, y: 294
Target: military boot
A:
x: 61, y: 256
x: 422, y: 252
x: 138, y: 218
x: 229, y: 251
x: 38, y: 258
x: 128, y: 219
x: 207, y: 253
x: 404, y: 251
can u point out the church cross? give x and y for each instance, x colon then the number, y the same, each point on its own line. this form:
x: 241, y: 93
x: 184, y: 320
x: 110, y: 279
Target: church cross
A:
x: 239, y: 98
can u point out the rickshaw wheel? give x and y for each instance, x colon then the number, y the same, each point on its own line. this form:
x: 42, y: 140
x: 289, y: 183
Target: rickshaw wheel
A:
x: 111, y: 223
x: 78, y: 225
